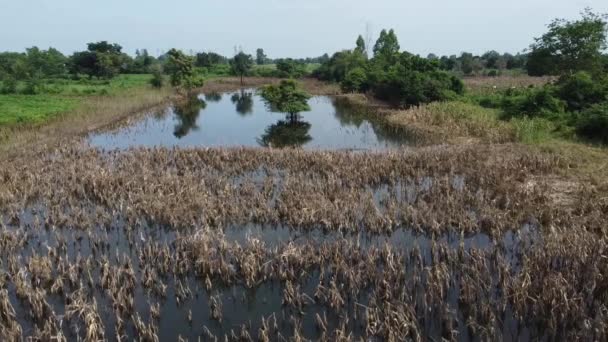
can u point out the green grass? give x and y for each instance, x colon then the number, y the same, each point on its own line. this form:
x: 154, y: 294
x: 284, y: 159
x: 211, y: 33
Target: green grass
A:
x: 58, y: 96
x: 33, y: 109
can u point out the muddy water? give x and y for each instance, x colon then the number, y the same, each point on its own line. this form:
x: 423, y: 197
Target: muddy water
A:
x: 242, y: 119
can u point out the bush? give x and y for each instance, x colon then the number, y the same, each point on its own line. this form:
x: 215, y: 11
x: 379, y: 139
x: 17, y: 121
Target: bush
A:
x: 9, y: 86
x: 580, y: 90
x: 592, y: 123
x: 354, y: 81
x: 289, y: 68
x: 533, y: 103
x: 157, y: 78
x: 33, y: 86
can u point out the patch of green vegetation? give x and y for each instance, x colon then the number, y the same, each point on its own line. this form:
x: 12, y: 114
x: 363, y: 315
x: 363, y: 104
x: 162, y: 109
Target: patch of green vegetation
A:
x: 57, y: 96
x: 84, y: 86
x: 33, y: 109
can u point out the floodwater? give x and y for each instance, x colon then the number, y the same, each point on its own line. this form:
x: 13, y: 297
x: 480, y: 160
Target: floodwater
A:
x: 240, y: 305
x: 242, y: 119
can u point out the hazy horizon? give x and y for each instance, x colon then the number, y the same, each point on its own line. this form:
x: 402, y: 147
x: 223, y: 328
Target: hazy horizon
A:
x: 283, y: 28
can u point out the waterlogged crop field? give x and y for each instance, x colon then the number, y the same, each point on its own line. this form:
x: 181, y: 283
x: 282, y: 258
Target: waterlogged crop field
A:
x: 455, y: 243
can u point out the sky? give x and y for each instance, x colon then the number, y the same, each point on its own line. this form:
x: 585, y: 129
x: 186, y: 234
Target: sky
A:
x: 283, y: 28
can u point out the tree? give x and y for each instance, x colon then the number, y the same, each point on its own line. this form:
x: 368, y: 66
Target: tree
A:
x: 142, y: 63
x: 287, y: 97
x: 466, y: 63
x: 47, y: 63
x: 361, y: 46
x: 180, y: 68
x: 208, y: 59
x: 491, y: 59
x: 290, y: 68
x: 241, y: 64
x: 354, y: 81
x: 260, y: 57
x: 570, y: 46
x: 102, y: 59
x: 580, y: 90
x: 157, y: 77
x: 387, y: 47
x: 104, y: 47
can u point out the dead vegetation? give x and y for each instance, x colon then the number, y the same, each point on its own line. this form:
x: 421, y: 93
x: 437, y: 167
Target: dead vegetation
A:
x: 113, y: 245
x: 77, y: 229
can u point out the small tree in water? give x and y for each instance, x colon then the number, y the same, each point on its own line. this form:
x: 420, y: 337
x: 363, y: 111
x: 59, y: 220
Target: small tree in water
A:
x: 287, y: 97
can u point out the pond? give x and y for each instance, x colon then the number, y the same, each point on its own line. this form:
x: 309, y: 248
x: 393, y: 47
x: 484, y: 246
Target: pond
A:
x: 241, y: 118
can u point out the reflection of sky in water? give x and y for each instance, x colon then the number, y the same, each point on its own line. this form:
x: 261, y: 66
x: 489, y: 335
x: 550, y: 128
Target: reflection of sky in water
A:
x: 239, y: 119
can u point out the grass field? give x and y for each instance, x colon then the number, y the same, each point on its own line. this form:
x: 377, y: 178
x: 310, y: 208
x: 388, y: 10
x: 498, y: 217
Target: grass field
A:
x: 60, y: 96
x: 33, y: 109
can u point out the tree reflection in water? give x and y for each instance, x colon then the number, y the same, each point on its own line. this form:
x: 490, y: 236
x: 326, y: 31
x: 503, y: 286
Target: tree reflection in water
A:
x: 187, y: 113
x: 243, y: 102
x: 290, y: 132
x: 213, y: 97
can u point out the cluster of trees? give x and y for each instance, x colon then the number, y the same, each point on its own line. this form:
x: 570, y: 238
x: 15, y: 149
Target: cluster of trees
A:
x: 400, y: 78
x: 573, y: 51
x: 101, y: 60
x: 262, y: 59
x: 491, y: 63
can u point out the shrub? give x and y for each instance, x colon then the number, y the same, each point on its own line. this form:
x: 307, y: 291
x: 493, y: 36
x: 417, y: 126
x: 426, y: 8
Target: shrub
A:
x: 157, y: 78
x: 580, y: 90
x: 592, y: 123
x: 9, y: 86
x: 533, y: 103
x: 289, y: 68
x: 354, y: 81
x: 33, y: 86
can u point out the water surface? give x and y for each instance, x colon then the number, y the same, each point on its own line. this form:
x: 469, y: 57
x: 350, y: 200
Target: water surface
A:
x: 242, y: 119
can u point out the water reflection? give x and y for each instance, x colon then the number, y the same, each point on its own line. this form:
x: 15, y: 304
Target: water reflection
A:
x: 242, y: 118
x: 187, y: 113
x: 243, y: 102
x: 350, y: 114
x: 213, y: 97
x: 291, y: 132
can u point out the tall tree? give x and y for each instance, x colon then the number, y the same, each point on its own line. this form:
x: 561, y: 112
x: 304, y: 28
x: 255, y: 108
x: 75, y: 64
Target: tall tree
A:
x: 180, y: 68
x: 571, y: 46
x: 387, y: 44
x: 361, y: 46
x: 241, y: 64
x: 260, y: 57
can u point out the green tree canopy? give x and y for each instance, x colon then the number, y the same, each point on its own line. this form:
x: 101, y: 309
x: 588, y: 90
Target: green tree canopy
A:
x: 102, y: 59
x: 387, y: 47
x: 570, y: 46
x: 208, y: 59
x: 241, y: 64
x: 260, y: 57
x: 291, y: 68
x: 287, y: 97
x: 361, y: 46
x: 180, y: 68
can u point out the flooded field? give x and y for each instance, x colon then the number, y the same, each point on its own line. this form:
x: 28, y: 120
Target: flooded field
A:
x: 242, y: 119
x: 259, y: 244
